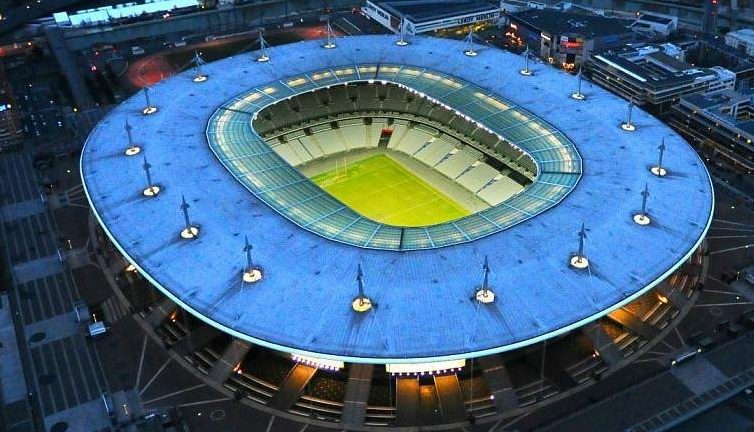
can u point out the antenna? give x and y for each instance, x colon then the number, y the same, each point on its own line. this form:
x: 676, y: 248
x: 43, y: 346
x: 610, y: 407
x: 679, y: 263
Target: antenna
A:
x: 526, y: 71
x: 330, y: 36
x: 628, y: 126
x: 402, y: 41
x: 658, y: 169
x: 148, y: 108
x: 578, y: 95
x: 579, y: 260
x: 132, y: 148
x: 251, y: 273
x: 189, y: 231
x: 263, y: 56
x: 199, y: 76
x: 152, y: 189
x: 361, y: 303
x: 485, y: 294
x: 642, y: 218
x: 470, y: 44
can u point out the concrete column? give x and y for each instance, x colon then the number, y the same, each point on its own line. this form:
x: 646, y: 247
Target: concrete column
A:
x: 602, y: 343
x: 407, y: 401
x: 160, y: 312
x: 627, y: 319
x: 196, y: 339
x: 357, y: 394
x: 232, y: 356
x: 292, y: 387
x: 499, y: 382
x: 451, y: 400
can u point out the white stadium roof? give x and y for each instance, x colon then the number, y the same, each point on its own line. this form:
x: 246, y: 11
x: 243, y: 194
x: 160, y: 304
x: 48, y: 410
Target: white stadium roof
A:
x: 425, y: 308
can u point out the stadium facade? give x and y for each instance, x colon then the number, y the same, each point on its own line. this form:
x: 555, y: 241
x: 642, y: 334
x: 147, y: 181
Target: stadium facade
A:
x: 575, y: 241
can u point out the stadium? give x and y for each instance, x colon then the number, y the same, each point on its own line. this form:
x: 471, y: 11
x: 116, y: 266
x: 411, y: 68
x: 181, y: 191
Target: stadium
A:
x: 365, y: 234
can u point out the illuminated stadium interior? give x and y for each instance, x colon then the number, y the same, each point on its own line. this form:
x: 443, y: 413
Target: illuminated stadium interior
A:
x: 391, y: 125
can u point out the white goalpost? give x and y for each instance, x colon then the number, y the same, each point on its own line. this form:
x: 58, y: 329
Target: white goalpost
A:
x: 341, y: 172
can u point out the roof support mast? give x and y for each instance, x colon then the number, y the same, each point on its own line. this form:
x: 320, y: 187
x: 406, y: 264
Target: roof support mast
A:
x: 361, y: 303
x: 579, y: 260
x: 190, y: 231
x: 251, y: 273
x: 152, y: 189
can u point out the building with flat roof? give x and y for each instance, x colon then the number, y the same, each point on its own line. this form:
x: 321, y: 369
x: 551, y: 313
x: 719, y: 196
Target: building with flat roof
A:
x: 567, y: 38
x: 653, y: 24
x: 655, y: 75
x: 742, y: 40
x: 11, y: 128
x: 722, y: 123
x: 421, y: 16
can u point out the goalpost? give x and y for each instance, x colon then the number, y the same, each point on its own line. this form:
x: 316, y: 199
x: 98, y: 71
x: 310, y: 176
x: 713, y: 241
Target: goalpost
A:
x: 341, y: 172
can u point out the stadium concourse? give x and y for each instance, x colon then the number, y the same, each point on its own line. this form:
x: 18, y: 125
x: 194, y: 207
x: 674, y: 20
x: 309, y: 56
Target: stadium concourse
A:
x: 239, y: 198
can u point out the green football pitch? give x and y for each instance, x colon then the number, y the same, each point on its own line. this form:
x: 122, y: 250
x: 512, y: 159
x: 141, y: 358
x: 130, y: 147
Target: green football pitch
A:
x: 381, y: 189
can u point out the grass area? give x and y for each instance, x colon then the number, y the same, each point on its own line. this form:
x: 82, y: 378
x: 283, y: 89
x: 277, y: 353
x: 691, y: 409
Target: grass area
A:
x: 383, y: 190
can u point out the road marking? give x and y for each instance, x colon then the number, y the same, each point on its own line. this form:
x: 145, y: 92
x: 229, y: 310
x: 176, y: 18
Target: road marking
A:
x: 175, y: 393
x: 732, y: 249
x: 154, y: 377
x: 712, y: 278
x: 71, y: 374
x: 203, y: 402
x: 722, y: 292
x: 91, y: 393
x: 683, y: 343
x: 269, y: 425
x: 649, y: 361
x: 733, y: 223
x: 729, y: 237
x: 732, y: 229
x: 723, y: 304
x: 141, y: 361
x: 664, y: 342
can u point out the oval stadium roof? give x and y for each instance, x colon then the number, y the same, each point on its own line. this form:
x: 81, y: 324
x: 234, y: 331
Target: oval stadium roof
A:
x: 424, y: 298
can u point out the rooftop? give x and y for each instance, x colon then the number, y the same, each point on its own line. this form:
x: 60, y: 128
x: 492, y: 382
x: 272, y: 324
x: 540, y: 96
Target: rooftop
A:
x: 719, y: 108
x: 746, y: 35
x: 418, y: 11
x: 424, y: 307
x: 653, y: 66
x: 659, y: 19
x: 569, y: 23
